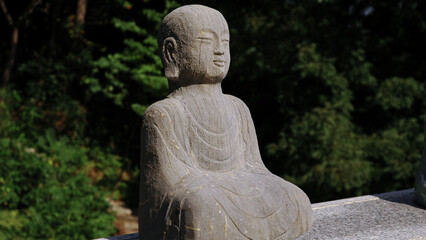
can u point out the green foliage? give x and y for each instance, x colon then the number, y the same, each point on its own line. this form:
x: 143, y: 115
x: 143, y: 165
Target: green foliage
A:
x: 139, y: 109
x: 324, y: 138
x: 11, y: 222
x: 138, y: 62
x: 44, y: 102
x: 63, y: 154
x: 131, y: 76
x: 310, y: 64
x: 48, y: 188
x: 399, y: 93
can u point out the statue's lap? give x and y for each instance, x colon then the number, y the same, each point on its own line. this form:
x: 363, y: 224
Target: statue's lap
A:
x: 239, y: 201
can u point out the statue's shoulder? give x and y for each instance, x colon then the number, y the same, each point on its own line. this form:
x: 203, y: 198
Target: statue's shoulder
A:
x: 234, y: 99
x: 166, y: 107
x: 238, y: 103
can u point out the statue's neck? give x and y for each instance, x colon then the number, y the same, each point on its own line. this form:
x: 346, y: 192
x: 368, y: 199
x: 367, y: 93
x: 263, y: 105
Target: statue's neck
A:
x: 198, y: 90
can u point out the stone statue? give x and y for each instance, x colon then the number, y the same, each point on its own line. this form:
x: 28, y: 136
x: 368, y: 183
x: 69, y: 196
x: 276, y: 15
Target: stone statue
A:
x: 202, y: 176
x: 420, y: 186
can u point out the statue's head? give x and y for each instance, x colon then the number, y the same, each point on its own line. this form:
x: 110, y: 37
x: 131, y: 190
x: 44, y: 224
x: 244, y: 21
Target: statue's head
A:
x: 194, y: 45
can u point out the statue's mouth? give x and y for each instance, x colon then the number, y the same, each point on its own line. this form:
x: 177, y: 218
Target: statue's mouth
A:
x: 219, y: 63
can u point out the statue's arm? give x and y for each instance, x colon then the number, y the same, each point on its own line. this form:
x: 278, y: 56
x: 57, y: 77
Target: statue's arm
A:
x: 152, y: 156
x: 165, y: 168
x: 162, y: 154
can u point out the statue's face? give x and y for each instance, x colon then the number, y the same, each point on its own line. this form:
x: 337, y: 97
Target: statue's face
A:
x: 205, y: 56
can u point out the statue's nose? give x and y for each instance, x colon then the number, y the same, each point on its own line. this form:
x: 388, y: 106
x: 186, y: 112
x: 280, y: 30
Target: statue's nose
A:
x: 219, y: 51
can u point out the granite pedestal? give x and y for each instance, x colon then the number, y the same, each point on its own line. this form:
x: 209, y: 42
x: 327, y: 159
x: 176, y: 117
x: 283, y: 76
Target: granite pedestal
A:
x: 390, y: 216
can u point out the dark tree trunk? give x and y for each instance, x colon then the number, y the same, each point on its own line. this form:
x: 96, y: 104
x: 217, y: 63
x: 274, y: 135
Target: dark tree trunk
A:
x: 11, y: 61
x: 14, y: 25
x: 81, y: 11
x: 54, y: 26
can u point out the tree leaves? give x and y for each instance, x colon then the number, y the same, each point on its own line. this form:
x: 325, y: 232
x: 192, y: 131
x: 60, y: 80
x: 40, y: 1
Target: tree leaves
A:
x: 399, y: 93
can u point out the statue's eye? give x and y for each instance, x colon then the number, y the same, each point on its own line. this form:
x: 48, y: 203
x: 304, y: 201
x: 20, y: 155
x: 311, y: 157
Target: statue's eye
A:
x: 225, y: 41
x: 205, y: 39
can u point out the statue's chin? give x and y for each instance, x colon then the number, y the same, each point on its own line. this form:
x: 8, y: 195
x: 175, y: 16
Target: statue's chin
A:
x: 201, y: 75
x: 205, y: 80
x: 193, y: 78
x: 213, y: 78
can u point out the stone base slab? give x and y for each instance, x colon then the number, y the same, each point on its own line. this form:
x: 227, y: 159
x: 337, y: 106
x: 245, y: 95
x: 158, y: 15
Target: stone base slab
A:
x: 390, y: 216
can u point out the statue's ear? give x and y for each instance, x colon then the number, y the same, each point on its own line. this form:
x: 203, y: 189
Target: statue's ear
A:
x: 170, y: 58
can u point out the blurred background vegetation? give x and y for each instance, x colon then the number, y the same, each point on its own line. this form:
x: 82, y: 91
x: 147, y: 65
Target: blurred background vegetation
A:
x: 336, y: 89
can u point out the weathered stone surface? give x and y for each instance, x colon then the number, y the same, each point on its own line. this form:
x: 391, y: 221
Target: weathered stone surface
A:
x: 392, y: 215
x: 420, y: 185
x: 202, y: 176
x: 386, y: 216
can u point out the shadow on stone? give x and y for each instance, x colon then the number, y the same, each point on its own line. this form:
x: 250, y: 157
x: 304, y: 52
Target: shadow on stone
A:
x: 403, y: 197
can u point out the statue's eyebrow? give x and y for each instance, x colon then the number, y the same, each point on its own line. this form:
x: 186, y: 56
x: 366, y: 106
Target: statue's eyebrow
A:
x: 225, y: 32
x: 207, y: 30
x: 212, y: 32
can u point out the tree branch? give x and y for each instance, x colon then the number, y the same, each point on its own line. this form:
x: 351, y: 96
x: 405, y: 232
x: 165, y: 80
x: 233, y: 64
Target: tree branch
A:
x: 6, y: 13
x: 28, y: 11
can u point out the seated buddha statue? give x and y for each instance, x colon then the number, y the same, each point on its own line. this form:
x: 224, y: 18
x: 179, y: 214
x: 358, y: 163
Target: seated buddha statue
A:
x: 202, y: 176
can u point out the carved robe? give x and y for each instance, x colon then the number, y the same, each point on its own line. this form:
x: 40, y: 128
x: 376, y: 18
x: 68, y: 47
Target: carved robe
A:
x: 202, y: 176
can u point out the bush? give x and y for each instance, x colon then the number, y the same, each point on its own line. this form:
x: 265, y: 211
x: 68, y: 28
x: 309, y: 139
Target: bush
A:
x: 49, y: 186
